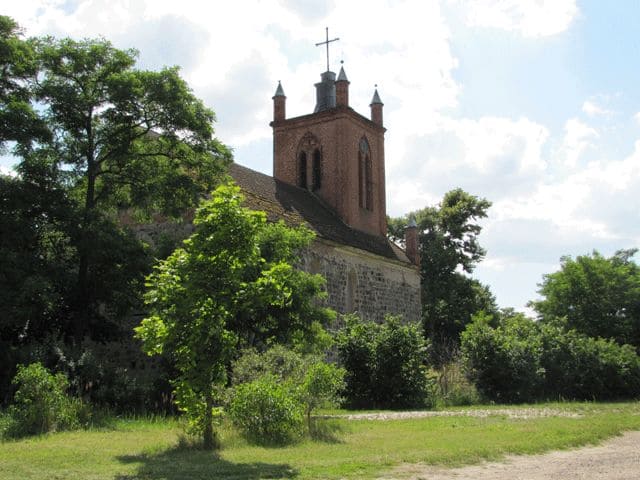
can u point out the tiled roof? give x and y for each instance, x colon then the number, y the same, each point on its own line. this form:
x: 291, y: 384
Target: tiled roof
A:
x: 297, y: 206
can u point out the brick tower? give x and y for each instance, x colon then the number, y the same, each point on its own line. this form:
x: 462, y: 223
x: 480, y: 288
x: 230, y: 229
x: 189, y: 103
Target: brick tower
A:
x: 335, y: 153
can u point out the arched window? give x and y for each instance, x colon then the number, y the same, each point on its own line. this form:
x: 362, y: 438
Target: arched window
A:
x: 365, y: 175
x: 317, y: 170
x: 309, y: 157
x: 302, y: 170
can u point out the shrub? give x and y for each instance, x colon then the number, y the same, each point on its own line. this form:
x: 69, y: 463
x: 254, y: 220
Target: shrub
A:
x: 521, y: 360
x: 41, y: 404
x: 279, y: 361
x: 453, y: 388
x: 266, y: 412
x: 384, y: 364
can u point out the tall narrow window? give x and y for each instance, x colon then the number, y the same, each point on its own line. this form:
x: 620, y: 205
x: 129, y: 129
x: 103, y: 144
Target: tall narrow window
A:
x: 302, y: 170
x: 317, y: 170
x: 368, y: 183
x: 365, y: 175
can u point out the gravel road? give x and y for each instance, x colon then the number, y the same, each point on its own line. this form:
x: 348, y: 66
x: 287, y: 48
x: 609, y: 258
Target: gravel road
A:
x: 615, y: 459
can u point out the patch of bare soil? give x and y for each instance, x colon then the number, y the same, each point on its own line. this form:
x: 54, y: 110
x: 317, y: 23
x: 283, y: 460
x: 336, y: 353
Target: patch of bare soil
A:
x: 615, y: 459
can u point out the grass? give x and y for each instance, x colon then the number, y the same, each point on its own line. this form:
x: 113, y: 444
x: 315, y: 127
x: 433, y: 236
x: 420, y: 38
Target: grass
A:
x: 147, y: 449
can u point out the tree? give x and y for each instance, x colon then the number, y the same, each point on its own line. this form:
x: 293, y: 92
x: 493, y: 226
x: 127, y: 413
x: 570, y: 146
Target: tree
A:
x: 595, y: 295
x: 231, y: 285
x: 18, y: 120
x: 105, y: 137
x: 128, y: 138
x: 449, y: 251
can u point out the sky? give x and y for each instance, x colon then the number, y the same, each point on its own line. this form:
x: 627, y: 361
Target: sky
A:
x: 531, y: 104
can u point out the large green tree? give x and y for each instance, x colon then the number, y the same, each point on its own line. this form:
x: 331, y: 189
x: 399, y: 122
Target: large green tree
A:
x: 231, y: 285
x: 18, y: 119
x: 595, y: 295
x: 449, y: 251
x: 115, y: 138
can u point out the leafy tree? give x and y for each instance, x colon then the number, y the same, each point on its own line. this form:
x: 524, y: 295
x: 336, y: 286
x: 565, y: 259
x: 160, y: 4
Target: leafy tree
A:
x: 595, y: 295
x: 105, y: 137
x: 320, y: 387
x: 217, y: 294
x: 449, y: 250
x: 125, y: 139
x: 18, y: 120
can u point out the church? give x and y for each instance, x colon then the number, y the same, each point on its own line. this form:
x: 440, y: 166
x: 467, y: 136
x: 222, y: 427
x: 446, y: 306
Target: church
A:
x: 329, y: 174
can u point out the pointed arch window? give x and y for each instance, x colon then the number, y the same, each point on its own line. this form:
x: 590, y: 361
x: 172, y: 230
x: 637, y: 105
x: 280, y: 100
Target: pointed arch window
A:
x: 316, y: 170
x: 309, y: 164
x: 365, y: 175
x: 302, y: 170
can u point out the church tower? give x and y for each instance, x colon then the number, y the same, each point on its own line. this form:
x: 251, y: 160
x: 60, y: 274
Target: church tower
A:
x: 335, y: 153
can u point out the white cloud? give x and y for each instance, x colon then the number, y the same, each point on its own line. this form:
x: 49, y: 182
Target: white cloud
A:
x: 636, y: 117
x: 578, y: 138
x: 593, y: 110
x: 530, y: 18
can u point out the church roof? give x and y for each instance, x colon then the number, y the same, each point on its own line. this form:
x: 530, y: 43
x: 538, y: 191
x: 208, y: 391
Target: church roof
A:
x: 298, y: 206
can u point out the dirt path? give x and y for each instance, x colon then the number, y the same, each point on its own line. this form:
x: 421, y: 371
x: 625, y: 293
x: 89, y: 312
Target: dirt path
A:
x: 615, y: 459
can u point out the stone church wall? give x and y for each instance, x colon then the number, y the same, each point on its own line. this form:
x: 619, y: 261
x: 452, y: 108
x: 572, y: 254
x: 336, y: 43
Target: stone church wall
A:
x: 364, y: 283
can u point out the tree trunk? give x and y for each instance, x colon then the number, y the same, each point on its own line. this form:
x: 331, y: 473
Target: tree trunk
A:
x: 83, y: 303
x: 207, y: 434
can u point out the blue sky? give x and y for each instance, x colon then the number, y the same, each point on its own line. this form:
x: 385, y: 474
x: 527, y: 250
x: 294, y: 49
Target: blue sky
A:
x: 531, y: 104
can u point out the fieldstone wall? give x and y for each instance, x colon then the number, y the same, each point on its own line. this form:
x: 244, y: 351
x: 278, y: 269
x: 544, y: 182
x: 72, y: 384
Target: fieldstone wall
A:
x: 367, y: 284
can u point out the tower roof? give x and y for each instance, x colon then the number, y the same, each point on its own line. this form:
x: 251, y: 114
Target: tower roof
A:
x: 279, y: 90
x: 376, y: 98
x: 342, y: 77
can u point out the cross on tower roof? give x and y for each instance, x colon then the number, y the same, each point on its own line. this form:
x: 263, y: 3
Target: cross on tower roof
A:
x: 327, y: 42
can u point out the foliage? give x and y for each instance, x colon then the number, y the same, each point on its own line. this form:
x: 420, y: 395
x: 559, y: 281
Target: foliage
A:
x: 279, y: 361
x: 265, y: 411
x: 18, y: 119
x: 384, y: 364
x: 320, y: 387
x: 311, y: 382
x: 521, y: 360
x: 597, y: 296
x: 453, y: 387
x: 94, y: 136
x: 449, y: 250
x: 41, y: 403
x: 217, y: 294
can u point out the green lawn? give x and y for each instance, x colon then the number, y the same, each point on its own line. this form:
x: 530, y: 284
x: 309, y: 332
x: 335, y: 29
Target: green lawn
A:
x: 139, y: 449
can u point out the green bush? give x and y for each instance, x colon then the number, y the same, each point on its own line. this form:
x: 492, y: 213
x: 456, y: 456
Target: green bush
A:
x: 384, y: 365
x: 41, y: 403
x: 266, y: 412
x: 522, y: 360
x: 279, y: 361
x: 452, y: 387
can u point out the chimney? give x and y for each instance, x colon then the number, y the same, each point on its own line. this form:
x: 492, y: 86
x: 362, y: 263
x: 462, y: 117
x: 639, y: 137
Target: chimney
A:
x: 279, y: 104
x: 412, y: 248
x: 376, y: 108
x: 342, y: 89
